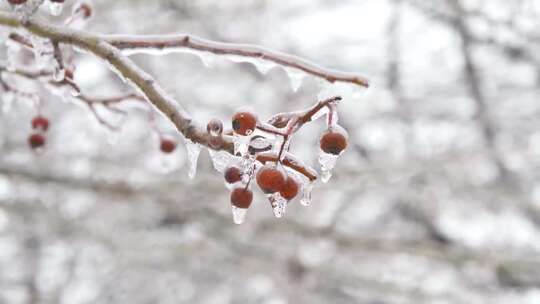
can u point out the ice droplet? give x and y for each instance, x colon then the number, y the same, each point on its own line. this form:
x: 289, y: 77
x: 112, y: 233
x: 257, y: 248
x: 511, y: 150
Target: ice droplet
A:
x: 59, y: 73
x: 278, y: 203
x: 239, y: 215
x: 307, y: 187
x: 55, y: 8
x: 193, y: 151
x: 327, y: 162
x: 208, y: 59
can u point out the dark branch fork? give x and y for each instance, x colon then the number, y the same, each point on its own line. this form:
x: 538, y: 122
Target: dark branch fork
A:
x: 109, y: 49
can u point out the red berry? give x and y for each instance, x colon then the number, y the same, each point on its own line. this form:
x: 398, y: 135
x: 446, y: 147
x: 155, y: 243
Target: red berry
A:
x: 36, y: 140
x: 333, y: 142
x: 241, y: 198
x: 244, y: 123
x: 40, y: 122
x: 16, y: 2
x: 167, y: 145
x: 86, y: 9
x: 271, y: 180
x: 290, y: 190
x: 233, y: 175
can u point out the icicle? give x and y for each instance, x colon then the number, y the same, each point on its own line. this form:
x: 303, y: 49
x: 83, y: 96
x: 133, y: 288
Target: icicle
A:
x: 264, y: 66
x: 193, y: 151
x: 327, y: 162
x: 307, y: 187
x: 278, y: 203
x: 239, y: 215
x: 59, y: 73
x: 296, y: 77
x: 208, y: 59
x: 55, y: 8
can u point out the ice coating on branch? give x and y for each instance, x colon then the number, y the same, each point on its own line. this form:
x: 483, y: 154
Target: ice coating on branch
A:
x: 248, y: 168
x: 239, y: 215
x: 55, y: 8
x: 193, y: 151
x: 220, y: 159
x: 327, y: 162
x: 42, y: 51
x: 241, y: 144
x: 278, y: 203
x: 322, y: 112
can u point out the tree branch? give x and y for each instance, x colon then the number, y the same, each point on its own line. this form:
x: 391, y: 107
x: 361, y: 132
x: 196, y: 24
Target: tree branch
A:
x: 168, y: 43
x: 138, y: 78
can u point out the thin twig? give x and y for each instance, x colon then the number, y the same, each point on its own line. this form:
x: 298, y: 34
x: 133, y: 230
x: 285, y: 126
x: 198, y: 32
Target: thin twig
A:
x: 168, y: 43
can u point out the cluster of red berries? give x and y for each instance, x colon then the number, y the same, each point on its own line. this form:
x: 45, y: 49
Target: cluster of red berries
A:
x: 40, y: 125
x: 273, y: 180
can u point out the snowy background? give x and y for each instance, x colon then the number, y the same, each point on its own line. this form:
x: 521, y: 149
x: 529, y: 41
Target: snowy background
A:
x: 436, y: 201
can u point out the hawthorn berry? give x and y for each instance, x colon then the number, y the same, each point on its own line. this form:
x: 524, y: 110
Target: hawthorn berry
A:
x: 244, y: 123
x: 290, y: 189
x: 233, y: 175
x: 86, y: 9
x: 241, y: 198
x: 40, y: 122
x: 167, y: 145
x: 333, y: 142
x: 36, y: 140
x: 270, y: 179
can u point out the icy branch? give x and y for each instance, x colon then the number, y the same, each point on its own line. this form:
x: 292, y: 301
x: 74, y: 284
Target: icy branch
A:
x: 126, y: 69
x: 172, y: 43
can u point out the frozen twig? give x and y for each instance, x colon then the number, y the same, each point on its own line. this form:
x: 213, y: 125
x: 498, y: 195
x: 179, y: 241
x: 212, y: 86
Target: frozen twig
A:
x: 168, y: 43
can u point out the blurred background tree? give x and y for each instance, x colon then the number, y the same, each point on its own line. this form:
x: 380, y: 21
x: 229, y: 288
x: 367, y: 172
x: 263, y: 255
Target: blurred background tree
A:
x: 436, y: 201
